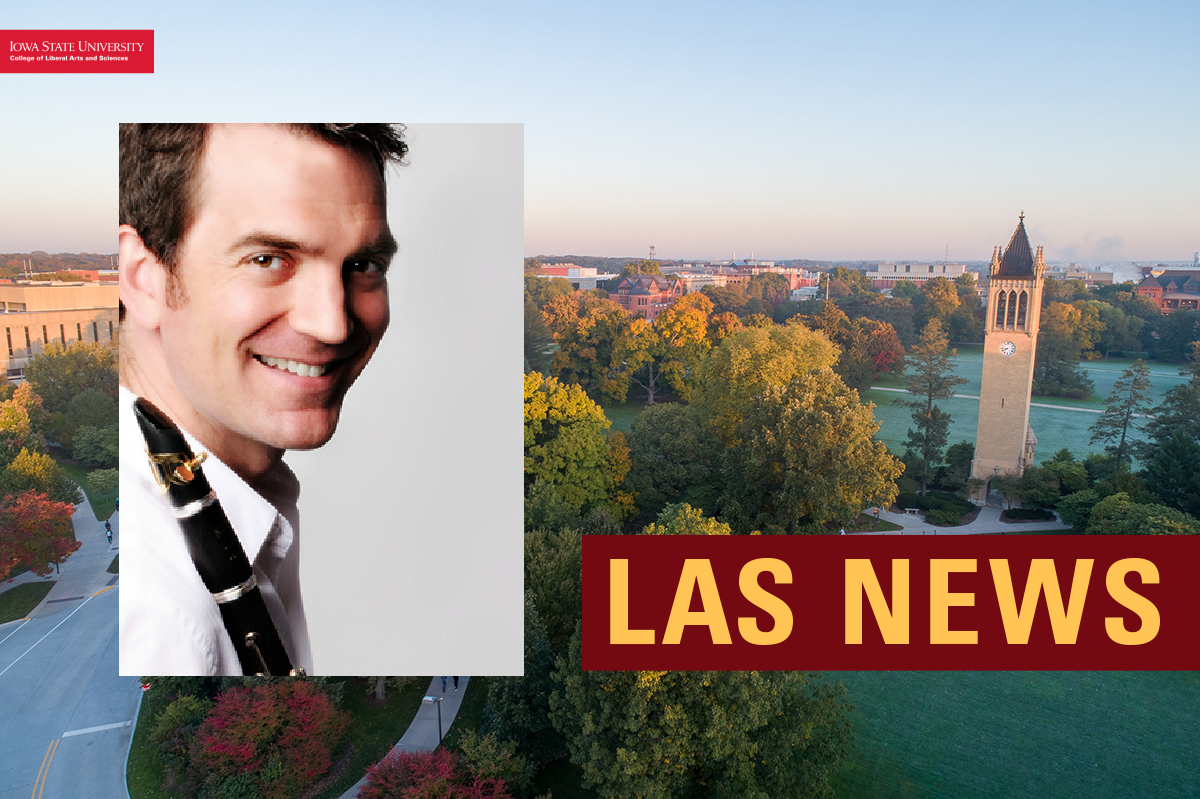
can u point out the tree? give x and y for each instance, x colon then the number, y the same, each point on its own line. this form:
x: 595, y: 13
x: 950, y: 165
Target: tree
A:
x: 565, y: 446
x: 681, y: 343
x: 1119, y: 515
x: 554, y: 575
x: 932, y: 379
x: 380, y: 684
x: 661, y: 735
x: 518, y: 708
x: 34, y: 471
x: 1128, y: 403
x: 1174, y: 472
x: 35, y: 531
x: 97, y: 446
x: 61, y: 373
x: 538, y: 340
x: 276, y: 737
x: 103, y: 481
x: 683, y: 519
x: 1056, y: 370
x: 805, y: 455
x: 641, y: 268
x: 674, y: 457
x: 941, y: 300
x: 599, y: 345
x: 750, y: 360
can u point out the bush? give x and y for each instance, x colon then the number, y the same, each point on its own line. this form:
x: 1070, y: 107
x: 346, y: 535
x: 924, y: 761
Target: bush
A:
x: 402, y: 775
x: 284, y: 734
x: 1028, y: 514
x: 944, y: 516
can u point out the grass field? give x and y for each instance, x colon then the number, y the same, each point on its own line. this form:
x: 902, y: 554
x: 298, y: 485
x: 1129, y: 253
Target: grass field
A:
x: 980, y: 734
x: 16, y: 602
x: 1057, y: 427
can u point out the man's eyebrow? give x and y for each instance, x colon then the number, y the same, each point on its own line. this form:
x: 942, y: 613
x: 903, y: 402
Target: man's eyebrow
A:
x: 259, y: 239
x: 383, y: 247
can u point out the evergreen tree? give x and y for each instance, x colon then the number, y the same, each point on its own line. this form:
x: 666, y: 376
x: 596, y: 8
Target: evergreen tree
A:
x: 932, y: 379
x: 1174, y: 472
x: 1124, y: 409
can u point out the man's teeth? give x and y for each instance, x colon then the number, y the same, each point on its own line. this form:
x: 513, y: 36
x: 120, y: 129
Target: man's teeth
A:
x: 295, y: 367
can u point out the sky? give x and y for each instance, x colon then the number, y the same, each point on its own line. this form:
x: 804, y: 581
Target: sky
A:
x: 851, y: 131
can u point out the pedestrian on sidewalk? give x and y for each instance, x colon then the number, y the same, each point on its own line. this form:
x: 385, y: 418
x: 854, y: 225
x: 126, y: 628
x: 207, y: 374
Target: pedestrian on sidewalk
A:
x: 108, y: 530
x: 443, y: 685
x: 455, y: 684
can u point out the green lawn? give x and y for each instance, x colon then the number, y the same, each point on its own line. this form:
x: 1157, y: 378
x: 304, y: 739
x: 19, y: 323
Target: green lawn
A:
x: 981, y: 734
x: 1056, y: 426
x: 114, y: 567
x: 16, y: 602
x: 470, y: 712
x: 103, y: 505
x: 374, y: 730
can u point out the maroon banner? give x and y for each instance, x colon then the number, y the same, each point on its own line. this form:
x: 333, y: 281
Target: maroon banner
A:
x: 983, y: 602
x: 77, y: 51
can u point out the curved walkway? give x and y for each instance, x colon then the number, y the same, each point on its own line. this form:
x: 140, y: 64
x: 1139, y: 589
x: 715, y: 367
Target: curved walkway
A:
x: 986, y: 523
x: 422, y: 734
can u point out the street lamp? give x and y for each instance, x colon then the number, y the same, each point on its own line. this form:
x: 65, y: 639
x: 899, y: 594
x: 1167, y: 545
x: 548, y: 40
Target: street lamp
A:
x: 437, y: 700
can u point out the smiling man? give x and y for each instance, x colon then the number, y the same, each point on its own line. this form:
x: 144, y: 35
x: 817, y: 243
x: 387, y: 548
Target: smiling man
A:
x: 254, y: 292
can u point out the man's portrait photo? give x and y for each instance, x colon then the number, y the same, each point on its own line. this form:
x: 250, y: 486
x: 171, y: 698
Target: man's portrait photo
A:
x: 281, y: 283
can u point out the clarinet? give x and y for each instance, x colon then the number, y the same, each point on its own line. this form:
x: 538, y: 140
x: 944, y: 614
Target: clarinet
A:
x: 213, y: 545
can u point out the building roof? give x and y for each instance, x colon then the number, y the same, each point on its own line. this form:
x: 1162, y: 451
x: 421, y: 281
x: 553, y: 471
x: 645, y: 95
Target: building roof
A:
x: 1017, y: 260
x: 1187, y: 281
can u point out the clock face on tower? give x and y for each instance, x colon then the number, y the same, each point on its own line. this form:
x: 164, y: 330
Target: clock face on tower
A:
x: 1008, y: 348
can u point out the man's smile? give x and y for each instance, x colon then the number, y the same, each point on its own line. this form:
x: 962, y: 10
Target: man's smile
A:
x: 296, y: 367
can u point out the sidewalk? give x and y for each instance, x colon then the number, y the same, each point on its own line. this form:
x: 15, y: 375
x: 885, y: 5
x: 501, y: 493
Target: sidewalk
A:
x: 987, y: 522
x: 85, y: 572
x: 422, y: 734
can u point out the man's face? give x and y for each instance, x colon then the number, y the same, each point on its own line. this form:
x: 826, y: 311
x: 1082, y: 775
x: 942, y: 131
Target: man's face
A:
x: 279, y: 296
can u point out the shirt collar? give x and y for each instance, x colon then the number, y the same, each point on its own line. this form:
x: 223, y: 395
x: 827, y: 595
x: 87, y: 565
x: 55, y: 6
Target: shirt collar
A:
x: 252, y: 515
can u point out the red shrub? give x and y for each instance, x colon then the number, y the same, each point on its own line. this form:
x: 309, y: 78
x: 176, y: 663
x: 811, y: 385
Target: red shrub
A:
x: 284, y: 733
x: 427, y: 775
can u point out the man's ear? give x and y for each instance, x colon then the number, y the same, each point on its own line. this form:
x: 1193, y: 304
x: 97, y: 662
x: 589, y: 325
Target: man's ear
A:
x: 143, y: 280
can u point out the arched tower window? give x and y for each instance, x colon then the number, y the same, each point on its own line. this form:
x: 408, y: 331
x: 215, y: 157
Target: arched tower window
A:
x: 1001, y: 309
x: 1022, y: 307
x: 1011, y: 321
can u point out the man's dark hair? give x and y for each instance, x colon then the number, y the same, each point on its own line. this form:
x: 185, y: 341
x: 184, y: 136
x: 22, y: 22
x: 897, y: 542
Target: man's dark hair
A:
x: 160, y: 166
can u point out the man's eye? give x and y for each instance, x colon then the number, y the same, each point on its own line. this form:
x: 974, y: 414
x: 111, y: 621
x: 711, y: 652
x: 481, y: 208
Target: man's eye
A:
x: 268, y: 261
x: 367, y: 267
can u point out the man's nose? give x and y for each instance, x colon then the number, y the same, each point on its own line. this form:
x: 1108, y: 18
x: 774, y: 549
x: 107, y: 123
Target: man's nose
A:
x: 319, y: 305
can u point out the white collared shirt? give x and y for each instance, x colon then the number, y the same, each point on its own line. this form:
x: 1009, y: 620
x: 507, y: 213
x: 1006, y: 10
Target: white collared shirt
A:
x: 169, y: 623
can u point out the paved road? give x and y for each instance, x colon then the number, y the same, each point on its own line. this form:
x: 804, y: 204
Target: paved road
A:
x: 65, y: 716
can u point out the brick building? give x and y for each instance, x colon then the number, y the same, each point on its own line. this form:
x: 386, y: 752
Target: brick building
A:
x: 35, y: 314
x: 1172, y: 290
x: 648, y: 295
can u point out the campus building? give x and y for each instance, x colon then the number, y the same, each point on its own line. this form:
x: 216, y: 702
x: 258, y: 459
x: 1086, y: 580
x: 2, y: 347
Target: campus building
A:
x: 886, y: 276
x: 35, y: 314
x: 1172, y: 289
x: 648, y: 295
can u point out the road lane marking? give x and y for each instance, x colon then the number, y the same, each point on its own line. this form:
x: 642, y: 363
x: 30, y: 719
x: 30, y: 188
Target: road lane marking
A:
x: 45, y: 770
x: 102, y: 727
x: 14, y: 632
x: 110, y: 585
x: 47, y: 635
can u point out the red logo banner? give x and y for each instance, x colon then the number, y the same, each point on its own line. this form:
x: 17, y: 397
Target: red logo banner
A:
x: 917, y: 603
x: 77, y: 51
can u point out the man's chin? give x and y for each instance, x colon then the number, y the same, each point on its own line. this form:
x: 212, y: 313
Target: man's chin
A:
x: 306, y: 430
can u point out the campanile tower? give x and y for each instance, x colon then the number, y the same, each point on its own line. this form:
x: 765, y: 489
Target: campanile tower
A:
x: 1005, y: 443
